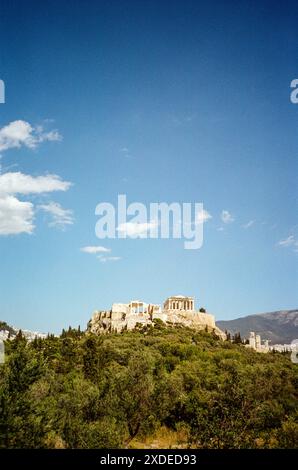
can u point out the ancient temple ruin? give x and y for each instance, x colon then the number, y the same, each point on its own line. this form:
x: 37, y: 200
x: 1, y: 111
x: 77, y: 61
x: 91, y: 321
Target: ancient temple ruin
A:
x: 179, y: 302
x: 255, y: 343
x: 177, y: 309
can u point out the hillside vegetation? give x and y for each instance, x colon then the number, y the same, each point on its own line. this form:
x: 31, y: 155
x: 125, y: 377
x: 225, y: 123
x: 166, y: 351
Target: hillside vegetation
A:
x: 5, y: 327
x: 155, y: 387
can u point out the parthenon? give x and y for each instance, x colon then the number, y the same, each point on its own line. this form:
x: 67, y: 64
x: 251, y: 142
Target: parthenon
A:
x: 179, y: 302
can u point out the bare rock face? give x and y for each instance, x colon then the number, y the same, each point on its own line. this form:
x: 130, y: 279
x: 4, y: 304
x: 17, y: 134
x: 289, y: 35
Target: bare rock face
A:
x: 177, y: 310
x: 195, y: 319
x: 108, y: 322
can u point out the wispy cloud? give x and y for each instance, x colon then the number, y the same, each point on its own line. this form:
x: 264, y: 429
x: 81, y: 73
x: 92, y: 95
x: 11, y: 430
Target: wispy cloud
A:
x: 101, y: 252
x: 17, y: 216
x: 290, y: 241
x: 105, y: 259
x: 249, y: 224
x: 60, y: 217
x: 95, y: 249
x: 20, y: 133
x: 202, y: 217
x: 226, y: 217
x: 126, y: 152
x: 20, y: 183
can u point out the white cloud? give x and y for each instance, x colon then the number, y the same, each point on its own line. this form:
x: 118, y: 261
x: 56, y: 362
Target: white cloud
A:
x: 226, y: 217
x: 220, y: 229
x: 203, y: 216
x: 60, y: 216
x: 289, y: 241
x: 140, y: 229
x: 104, y: 259
x: 95, y: 249
x: 134, y: 229
x: 101, y: 251
x: 20, y: 133
x: 249, y: 224
x: 15, y: 216
x: 17, y: 182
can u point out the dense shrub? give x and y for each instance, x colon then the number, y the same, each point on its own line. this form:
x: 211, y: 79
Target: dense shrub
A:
x: 117, y: 390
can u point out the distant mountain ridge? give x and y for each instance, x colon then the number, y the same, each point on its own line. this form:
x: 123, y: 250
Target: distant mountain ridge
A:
x: 280, y: 327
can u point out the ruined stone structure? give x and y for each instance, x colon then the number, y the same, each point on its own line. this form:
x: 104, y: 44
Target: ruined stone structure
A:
x: 176, y: 310
x: 179, y: 302
x: 256, y: 343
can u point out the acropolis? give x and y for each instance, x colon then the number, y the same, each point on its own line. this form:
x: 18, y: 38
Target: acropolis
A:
x: 177, y: 309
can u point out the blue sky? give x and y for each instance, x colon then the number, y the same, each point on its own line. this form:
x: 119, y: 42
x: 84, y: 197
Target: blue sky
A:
x: 162, y: 101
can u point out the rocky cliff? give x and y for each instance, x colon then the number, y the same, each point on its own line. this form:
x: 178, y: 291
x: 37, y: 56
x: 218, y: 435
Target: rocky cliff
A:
x: 108, y: 321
